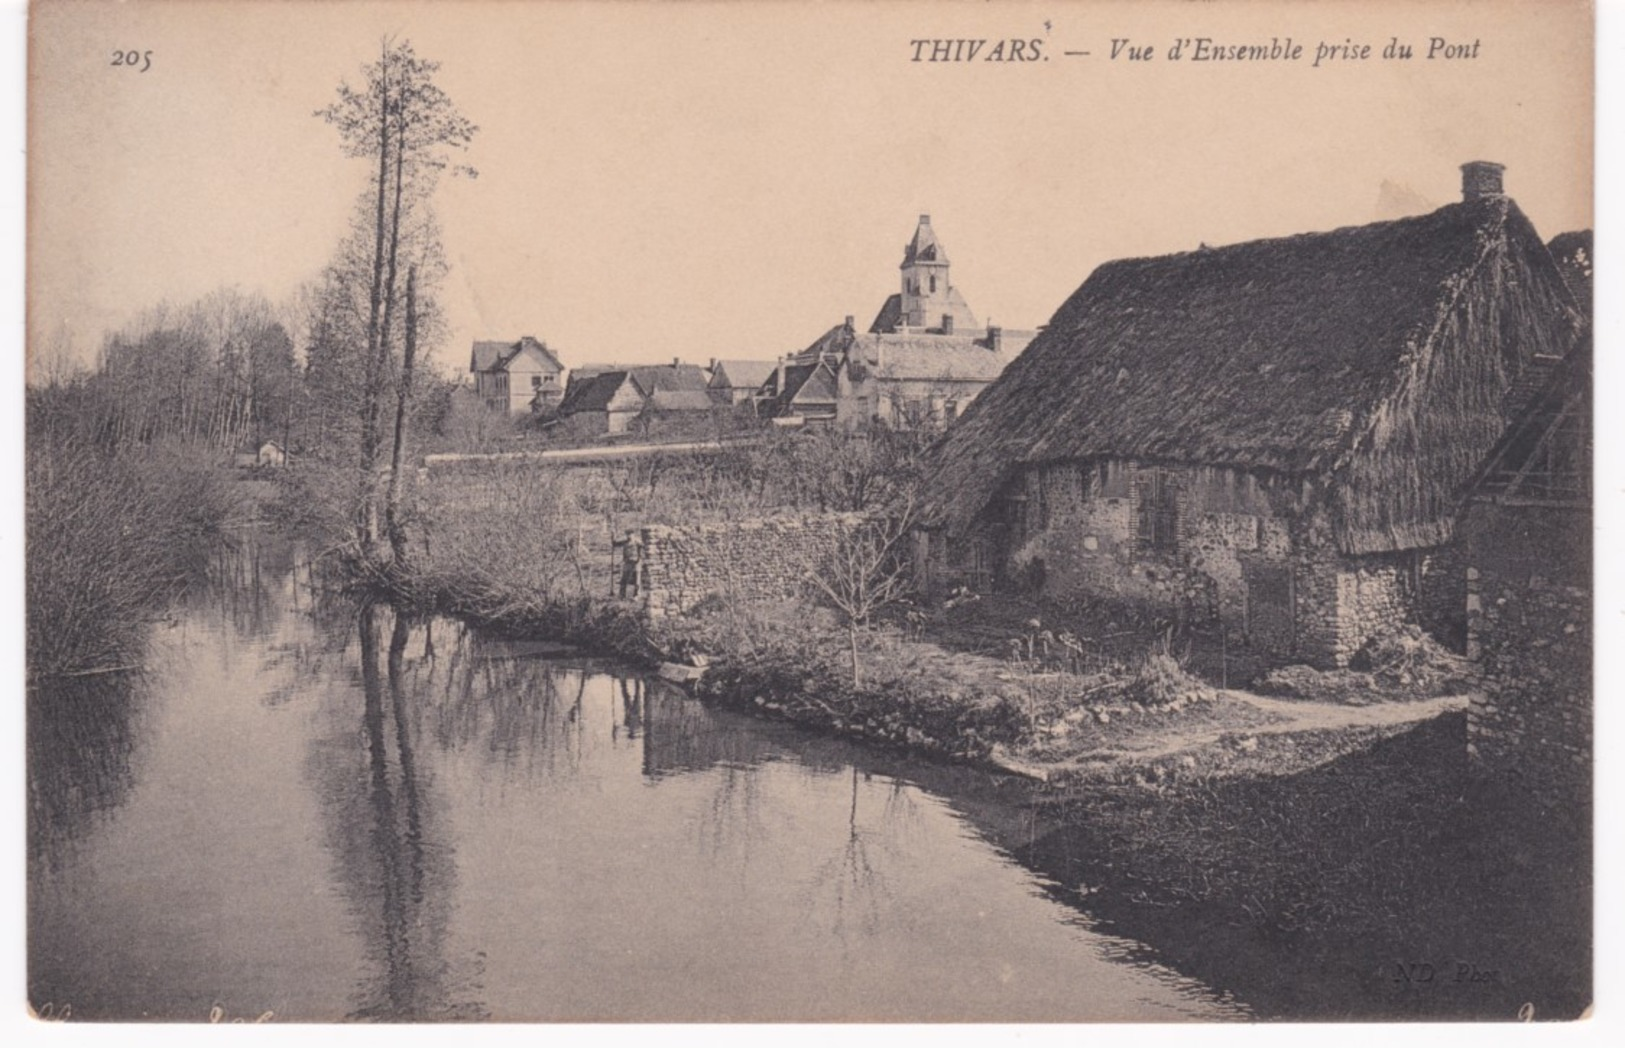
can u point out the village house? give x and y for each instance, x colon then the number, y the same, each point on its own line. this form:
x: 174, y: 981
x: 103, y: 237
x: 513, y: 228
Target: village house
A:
x: 1277, y: 435
x: 739, y: 381
x: 1526, y: 537
x: 633, y: 399
x: 517, y: 377
x: 267, y: 454
x: 920, y: 364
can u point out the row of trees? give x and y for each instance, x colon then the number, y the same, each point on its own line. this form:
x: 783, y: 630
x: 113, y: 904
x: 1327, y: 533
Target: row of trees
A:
x: 217, y: 372
x: 333, y: 374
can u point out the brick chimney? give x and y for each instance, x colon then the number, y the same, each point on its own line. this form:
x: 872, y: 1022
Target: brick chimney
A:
x: 1480, y: 179
x: 947, y: 323
x: 995, y: 337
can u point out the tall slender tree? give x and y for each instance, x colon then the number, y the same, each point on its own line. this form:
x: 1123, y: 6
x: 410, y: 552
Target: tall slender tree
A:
x: 407, y: 127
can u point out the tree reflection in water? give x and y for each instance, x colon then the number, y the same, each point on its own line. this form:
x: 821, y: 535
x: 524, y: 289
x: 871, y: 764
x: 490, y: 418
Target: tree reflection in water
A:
x: 81, y: 744
x: 397, y: 877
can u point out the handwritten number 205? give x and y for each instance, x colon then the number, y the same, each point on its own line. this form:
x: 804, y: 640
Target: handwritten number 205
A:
x: 140, y: 61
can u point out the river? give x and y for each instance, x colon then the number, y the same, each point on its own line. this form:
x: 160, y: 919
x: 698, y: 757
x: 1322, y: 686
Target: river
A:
x: 308, y: 810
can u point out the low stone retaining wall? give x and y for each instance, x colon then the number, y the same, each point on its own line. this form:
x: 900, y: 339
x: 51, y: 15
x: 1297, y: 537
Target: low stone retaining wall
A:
x: 1533, y: 720
x: 1529, y: 615
x: 767, y: 558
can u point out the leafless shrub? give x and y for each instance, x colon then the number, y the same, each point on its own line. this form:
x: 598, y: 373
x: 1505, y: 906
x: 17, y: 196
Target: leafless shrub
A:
x: 864, y: 572
x: 110, y: 540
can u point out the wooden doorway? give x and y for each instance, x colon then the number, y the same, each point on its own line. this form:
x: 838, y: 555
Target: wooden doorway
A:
x: 1271, y: 621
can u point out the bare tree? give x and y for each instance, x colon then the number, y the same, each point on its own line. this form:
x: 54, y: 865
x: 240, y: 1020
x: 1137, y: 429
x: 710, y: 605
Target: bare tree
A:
x: 403, y: 407
x: 864, y: 572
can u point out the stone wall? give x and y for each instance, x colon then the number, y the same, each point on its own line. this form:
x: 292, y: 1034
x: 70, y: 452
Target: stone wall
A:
x: 1081, y: 532
x: 1226, y: 539
x: 767, y: 558
x: 1375, y: 594
x: 1530, y: 626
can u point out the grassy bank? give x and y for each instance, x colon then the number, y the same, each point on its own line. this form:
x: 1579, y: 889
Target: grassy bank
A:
x: 525, y: 549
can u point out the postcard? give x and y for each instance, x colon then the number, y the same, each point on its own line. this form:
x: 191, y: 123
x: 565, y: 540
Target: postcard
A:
x: 1017, y: 512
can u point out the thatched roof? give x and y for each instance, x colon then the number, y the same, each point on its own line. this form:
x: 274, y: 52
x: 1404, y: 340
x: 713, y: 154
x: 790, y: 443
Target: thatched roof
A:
x: 1574, y: 256
x: 1284, y: 356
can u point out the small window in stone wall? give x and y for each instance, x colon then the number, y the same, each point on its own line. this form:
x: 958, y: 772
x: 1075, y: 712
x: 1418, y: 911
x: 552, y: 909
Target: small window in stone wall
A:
x: 1157, y: 520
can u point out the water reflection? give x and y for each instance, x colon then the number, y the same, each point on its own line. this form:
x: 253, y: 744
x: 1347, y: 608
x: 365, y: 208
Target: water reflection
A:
x: 380, y: 813
x: 81, y: 751
x: 337, y: 811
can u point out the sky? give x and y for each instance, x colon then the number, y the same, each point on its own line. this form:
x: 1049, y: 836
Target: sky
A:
x: 699, y: 180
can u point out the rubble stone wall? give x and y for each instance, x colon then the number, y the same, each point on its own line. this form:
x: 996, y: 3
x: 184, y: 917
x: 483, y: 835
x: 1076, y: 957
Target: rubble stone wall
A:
x: 766, y: 558
x: 1530, y: 626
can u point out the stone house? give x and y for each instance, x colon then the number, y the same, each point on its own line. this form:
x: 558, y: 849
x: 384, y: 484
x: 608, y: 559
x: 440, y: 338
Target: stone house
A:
x: 517, y: 377
x: 1276, y: 435
x: 1526, y: 537
x: 920, y: 364
x: 610, y: 403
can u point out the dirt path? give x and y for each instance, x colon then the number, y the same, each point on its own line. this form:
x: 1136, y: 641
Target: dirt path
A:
x: 1285, y: 717
x: 1301, y: 715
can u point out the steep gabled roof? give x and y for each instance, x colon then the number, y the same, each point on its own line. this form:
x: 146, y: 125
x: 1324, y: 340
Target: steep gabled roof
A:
x: 801, y: 385
x: 742, y: 374
x: 1280, y: 355
x: 486, y: 354
x: 540, y: 348
x: 890, y: 315
x: 669, y: 377
x: 831, y: 345
x: 592, y: 393
x: 817, y: 386
x: 493, y: 356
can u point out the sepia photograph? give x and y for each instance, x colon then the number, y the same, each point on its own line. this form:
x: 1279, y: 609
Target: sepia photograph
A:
x: 629, y: 512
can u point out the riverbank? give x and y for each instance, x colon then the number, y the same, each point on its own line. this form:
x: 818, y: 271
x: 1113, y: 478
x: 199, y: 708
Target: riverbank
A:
x: 1336, y: 819
x: 1399, y: 883
x: 1225, y: 826
x: 1045, y: 711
